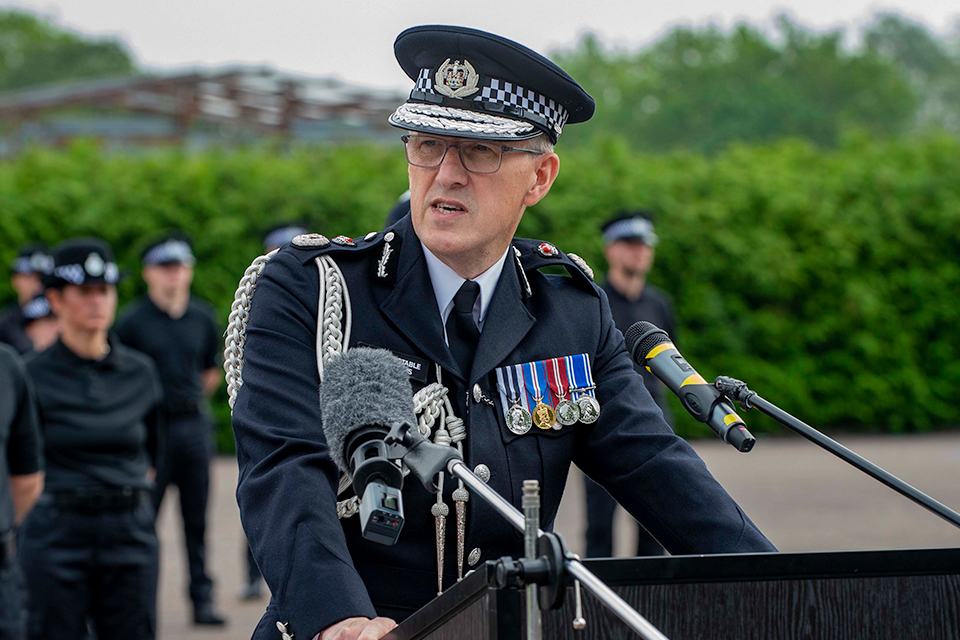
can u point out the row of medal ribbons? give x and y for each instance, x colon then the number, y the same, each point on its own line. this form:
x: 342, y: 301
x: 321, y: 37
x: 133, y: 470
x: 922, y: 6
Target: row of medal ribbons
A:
x: 548, y: 394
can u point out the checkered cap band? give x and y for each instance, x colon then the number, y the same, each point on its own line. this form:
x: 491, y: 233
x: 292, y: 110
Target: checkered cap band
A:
x: 76, y: 274
x: 169, y: 251
x: 36, y: 263
x: 36, y: 308
x: 498, y: 91
x: 631, y: 228
x: 414, y: 114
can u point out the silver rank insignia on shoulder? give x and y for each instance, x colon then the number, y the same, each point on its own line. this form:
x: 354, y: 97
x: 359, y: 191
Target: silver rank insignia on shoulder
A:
x: 344, y: 241
x: 547, y: 250
x: 310, y: 240
x: 385, y: 256
x: 580, y: 262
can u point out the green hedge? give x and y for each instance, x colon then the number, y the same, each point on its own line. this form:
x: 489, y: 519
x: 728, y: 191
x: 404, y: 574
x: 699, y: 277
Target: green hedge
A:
x: 827, y: 280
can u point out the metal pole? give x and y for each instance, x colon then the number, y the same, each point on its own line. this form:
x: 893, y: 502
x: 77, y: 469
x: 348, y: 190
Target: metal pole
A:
x: 605, y: 594
x: 531, y: 514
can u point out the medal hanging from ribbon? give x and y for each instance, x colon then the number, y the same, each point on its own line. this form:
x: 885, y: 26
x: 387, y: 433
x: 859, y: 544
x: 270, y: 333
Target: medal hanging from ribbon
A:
x: 513, y: 399
x: 568, y: 412
x: 538, y: 390
x: 582, y: 387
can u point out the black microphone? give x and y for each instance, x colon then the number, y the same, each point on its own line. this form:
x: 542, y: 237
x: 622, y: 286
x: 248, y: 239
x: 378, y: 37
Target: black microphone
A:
x: 365, y: 393
x: 651, y: 347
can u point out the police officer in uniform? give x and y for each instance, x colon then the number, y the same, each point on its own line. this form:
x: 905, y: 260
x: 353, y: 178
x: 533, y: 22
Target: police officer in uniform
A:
x: 26, y: 271
x: 40, y: 323
x: 21, y: 480
x: 629, y: 241
x: 181, y: 336
x: 450, y: 290
x: 89, y: 548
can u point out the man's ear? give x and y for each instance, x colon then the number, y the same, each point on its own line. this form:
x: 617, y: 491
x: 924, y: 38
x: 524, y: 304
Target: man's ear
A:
x: 547, y: 168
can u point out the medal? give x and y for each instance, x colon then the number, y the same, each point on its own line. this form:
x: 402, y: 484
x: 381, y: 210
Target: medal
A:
x: 568, y: 412
x: 543, y: 414
x: 518, y: 419
x: 582, y: 387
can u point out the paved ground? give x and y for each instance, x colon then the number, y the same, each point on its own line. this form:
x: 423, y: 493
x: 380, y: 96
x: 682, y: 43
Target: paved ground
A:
x: 802, y: 497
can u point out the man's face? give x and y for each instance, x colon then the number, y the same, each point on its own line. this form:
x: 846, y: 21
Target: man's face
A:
x: 168, y: 279
x: 631, y: 256
x: 461, y: 215
x: 89, y: 307
x: 27, y: 285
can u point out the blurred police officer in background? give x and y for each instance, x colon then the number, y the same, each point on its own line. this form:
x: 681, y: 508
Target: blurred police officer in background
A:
x: 89, y: 547
x: 28, y: 267
x: 629, y: 242
x: 398, y: 210
x: 40, y: 323
x: 21, y: 481
x: 181, y: 336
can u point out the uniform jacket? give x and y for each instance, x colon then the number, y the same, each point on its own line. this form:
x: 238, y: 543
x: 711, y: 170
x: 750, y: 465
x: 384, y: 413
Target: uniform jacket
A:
x: 319, y: 569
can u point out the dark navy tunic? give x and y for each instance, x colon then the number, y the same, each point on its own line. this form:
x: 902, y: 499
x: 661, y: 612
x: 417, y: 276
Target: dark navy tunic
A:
x: 319, y: 569
x: 12, y: 329
x: 19, y: 433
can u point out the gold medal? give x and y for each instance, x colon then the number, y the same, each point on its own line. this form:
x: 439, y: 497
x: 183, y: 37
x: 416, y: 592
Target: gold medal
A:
x: 543, y: 415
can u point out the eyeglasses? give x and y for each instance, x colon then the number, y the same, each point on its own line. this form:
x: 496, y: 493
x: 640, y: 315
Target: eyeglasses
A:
x: 477, y: 156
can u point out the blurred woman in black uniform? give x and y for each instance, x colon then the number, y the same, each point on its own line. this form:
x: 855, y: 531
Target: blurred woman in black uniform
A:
x: 89, y: 548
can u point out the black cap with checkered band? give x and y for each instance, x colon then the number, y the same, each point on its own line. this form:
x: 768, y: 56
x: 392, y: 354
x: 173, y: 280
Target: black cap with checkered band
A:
x: 82, y: 261
x: 473, y: 84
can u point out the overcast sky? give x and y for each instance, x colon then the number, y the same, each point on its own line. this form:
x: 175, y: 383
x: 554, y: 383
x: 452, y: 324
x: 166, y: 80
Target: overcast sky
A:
x: 354, y: 39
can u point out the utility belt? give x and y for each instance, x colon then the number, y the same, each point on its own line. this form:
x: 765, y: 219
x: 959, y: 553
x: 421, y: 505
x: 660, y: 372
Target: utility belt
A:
x: 8, y: 546
x: 95, y: 499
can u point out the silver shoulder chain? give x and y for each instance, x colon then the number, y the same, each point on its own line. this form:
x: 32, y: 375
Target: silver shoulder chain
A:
x: 236, y: 333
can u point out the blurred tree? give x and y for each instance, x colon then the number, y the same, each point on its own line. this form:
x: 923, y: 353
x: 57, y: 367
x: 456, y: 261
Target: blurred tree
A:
x: 34, y: 51
x: 704, y: 88
x: 931, y: 63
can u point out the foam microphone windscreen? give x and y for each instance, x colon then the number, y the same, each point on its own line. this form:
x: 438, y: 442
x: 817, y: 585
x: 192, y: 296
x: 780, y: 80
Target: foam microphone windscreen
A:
x: 360, y: 388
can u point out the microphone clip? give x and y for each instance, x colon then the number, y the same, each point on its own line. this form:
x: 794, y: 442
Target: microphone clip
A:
x: 423, y: 458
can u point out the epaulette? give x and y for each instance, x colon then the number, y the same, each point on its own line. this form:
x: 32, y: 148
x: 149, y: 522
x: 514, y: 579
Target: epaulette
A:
x: 312, y: 245
x: 536, y: 254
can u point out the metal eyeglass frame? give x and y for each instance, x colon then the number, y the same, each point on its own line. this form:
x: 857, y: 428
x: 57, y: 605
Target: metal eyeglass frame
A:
x: 446, y: 147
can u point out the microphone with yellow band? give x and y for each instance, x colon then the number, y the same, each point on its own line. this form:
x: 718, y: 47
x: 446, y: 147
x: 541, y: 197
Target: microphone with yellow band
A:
x: 651, y: 347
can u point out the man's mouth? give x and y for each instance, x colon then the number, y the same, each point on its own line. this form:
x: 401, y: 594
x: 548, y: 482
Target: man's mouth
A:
x: 448, y: 207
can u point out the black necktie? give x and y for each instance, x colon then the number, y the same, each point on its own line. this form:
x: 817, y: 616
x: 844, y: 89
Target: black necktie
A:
x: 462, y: 332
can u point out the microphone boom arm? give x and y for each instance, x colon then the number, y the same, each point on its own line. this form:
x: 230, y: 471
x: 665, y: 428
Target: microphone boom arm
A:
x: 738, y: 391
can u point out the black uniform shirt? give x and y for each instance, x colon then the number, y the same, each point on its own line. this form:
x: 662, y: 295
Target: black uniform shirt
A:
x: 183, y: 348
x: 99, y: 418
x: 654, y: 306
x: 19, y: 434
x: 12, y: 329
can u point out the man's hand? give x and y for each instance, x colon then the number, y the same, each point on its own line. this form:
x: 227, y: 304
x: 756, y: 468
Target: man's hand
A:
x: 358, y: 629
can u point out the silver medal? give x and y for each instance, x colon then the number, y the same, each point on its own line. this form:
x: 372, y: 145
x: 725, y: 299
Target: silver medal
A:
x: 589, y: 409
x: 519, y: 420
x: 568, y: 413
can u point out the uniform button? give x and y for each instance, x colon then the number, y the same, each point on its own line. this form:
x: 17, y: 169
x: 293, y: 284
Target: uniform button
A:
x: 482, y: 471
x: 477, y: 393
x: 389, y: 237
x: 370, y: 236
x: 474, y: 557
x: 282, y: 628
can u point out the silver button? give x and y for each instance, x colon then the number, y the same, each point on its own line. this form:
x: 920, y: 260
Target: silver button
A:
x: 282, y: 628
x: 370, y: 236
x: 287, y: 636
x: 482, y: 471
x: 477, y: 393
x: 474, y: 557
x: 389, y: 237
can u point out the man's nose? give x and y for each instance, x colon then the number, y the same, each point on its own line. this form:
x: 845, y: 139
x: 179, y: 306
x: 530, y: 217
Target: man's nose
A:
x: 451, y: 171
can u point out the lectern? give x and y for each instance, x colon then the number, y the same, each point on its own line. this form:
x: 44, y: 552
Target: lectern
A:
x: 839, y: 595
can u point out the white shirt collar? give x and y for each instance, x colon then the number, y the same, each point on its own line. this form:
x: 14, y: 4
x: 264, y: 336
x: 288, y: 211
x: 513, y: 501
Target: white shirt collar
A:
x: 446, y: 283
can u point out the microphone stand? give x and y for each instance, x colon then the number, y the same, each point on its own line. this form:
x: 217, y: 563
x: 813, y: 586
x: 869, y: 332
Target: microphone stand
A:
x: 738, y: 391
x: 425, y: 460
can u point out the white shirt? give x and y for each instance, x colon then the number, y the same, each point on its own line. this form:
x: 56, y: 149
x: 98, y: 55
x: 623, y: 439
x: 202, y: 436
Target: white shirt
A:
x: 446, y: 283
